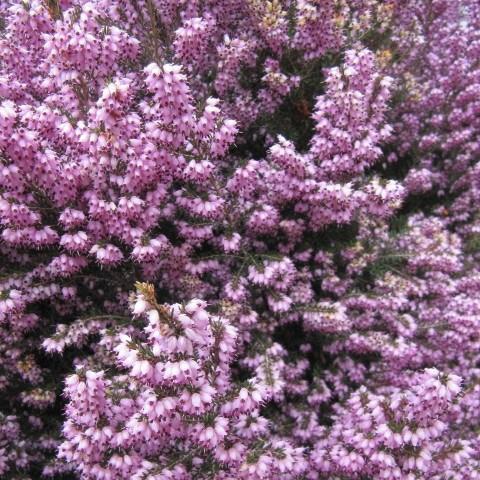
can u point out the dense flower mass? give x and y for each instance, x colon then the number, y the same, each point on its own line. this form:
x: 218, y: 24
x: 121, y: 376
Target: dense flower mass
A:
x: 173, y: 400
x: 240, y: 239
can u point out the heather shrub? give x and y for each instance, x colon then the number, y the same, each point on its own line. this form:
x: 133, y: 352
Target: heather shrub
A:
x: 239, y: 239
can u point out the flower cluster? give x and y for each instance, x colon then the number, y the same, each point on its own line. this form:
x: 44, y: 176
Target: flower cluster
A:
x: 173, y: 402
